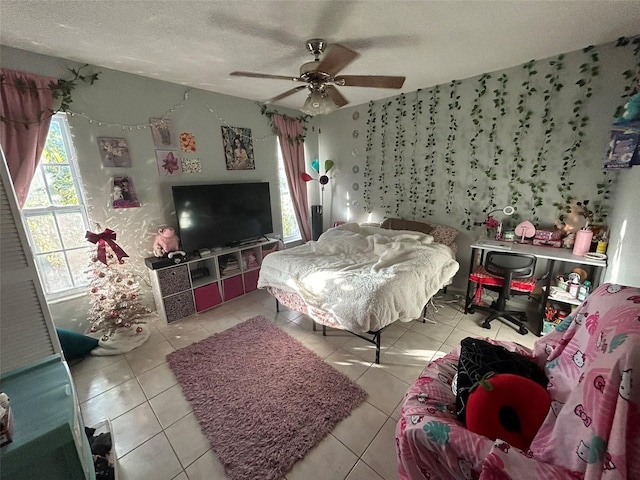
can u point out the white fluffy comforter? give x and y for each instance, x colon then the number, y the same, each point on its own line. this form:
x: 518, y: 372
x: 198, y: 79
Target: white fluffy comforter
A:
x: 365, y: 277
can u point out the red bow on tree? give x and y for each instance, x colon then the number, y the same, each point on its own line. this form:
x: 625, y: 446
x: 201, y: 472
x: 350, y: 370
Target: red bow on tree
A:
x: 108, y: 236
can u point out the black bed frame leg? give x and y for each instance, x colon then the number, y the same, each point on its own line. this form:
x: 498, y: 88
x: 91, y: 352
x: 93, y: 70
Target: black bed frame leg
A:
x: 324, y: 330
x: 277, y: 306
x: 314, y: 325
x: 378, y: 348
x: 424, y: 313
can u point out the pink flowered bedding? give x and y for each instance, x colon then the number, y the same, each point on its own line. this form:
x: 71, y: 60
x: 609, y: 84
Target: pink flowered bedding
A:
x: 592, y: 430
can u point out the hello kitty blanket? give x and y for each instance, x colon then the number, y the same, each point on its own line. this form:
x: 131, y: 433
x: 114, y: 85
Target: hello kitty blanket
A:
x: 592, y: 430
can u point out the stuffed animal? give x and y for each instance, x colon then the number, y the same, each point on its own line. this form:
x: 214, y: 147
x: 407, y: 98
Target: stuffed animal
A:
x: 166, y: 241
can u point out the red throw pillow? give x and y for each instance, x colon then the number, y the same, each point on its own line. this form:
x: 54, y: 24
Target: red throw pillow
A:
x: 512, y: 410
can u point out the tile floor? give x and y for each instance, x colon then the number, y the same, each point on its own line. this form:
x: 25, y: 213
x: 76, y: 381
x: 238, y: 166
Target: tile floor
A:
x: 158, y: 437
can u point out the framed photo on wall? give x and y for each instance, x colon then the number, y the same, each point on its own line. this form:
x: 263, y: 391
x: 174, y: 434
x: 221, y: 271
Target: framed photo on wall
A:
x: 163, y: 134
x: 238, y: 148
x: 124, y: 194
x: 168, y: 163
x: 114, y: 152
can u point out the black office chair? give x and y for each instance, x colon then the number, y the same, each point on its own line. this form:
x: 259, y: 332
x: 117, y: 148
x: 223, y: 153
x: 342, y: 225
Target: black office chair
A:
x: 509, y: 274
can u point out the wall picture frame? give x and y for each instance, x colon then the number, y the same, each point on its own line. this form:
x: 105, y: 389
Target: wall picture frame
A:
x: 163, y: 133
x: 238, y: 148
x: 124, y: 193
x: 168, y: 163
x: 114, y: 152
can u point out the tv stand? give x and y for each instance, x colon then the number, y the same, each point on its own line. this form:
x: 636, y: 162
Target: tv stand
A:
x: 199, y: 284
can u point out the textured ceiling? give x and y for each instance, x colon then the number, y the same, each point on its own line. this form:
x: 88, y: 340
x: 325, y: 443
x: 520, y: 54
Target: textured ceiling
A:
x: 198, y: 43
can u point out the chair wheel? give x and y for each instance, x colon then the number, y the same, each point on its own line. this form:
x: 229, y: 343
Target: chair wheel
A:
x: 486, y: 325
x: 470, y: 309
x: 523, y: 331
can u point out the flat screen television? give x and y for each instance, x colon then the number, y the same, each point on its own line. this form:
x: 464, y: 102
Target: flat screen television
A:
x: 221, y: 214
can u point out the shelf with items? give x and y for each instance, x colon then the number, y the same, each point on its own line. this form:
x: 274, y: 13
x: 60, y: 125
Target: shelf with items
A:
x: 203, y: 272
x: 199, y: 284
x: 229, y: 264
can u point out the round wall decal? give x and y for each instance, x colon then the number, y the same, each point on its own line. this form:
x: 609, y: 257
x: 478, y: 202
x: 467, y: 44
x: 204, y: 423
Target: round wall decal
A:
x: 355, y: 186
x: 355, y: 169
x: 355, y: 134
x: 356, y: 115
x: 355, y: 152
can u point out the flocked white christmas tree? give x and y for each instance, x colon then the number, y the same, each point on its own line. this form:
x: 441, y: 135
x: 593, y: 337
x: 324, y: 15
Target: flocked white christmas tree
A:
x: 115, y: 292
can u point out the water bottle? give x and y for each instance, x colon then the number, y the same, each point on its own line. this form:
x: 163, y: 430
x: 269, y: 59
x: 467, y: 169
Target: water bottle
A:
x: 584, y: 290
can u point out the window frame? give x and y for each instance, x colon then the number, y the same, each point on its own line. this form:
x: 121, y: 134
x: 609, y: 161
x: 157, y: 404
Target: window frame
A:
x: 79, y: 285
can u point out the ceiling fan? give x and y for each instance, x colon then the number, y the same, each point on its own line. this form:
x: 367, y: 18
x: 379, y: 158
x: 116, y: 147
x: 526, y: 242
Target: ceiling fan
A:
x: 321, y: 78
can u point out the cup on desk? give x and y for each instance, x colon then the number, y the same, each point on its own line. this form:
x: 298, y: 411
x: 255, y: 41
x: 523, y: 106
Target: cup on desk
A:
x: 583, y: 242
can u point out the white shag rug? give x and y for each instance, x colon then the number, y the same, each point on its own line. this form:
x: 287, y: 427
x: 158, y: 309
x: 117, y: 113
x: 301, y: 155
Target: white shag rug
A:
x: 124, y: 339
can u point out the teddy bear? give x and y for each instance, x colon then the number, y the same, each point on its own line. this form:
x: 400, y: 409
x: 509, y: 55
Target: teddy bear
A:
x: 166, y: 241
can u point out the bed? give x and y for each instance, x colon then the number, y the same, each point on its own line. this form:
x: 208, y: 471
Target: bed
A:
x: 362, y: 278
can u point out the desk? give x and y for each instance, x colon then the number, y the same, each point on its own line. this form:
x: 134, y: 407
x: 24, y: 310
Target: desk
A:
x: 551, y: 254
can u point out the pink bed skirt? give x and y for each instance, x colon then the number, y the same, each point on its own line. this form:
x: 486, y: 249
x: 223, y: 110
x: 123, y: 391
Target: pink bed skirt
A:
x: 293, y: 301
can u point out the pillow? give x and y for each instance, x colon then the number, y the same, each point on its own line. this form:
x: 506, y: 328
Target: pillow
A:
x: 443, y: 234
x: 511, y: 408
x: 75, y: 345
x: 400, y: 224
x: 479, y: 357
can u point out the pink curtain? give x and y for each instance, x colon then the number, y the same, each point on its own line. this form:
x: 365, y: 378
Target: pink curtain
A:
x: 291, y: 136
x: 26, y: 105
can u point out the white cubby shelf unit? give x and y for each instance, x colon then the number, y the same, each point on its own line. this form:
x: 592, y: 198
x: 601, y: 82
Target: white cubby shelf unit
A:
x: 200, y: 284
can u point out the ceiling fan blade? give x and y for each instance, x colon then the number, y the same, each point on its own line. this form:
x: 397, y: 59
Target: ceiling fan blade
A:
x: 286, y: 94
x: 375, y: 81
x: 264, y: 75
x: 336, y: 96
x: 336, y: 58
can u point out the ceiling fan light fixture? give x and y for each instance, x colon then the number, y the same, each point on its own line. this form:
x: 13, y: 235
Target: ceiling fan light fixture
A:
x: 318, y: 103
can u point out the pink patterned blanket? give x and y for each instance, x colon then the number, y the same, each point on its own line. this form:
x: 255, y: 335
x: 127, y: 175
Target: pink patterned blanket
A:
x: 592, y: 430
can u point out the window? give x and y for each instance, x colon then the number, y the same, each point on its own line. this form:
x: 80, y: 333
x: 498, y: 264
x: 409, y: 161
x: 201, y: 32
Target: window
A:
x: 55, y: 217
x: 290, y: 229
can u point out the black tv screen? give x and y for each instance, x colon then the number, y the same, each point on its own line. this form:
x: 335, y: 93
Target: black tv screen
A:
x: 223, y: 214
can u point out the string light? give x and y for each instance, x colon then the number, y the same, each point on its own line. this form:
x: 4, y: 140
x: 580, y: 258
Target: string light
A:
x: 164, y: 116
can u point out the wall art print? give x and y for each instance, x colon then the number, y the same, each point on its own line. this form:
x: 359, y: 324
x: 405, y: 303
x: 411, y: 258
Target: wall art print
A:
x: 191, y: 165
x: 238, y: 148
x: 163, y: 133
x: 168, y: 163
x: 124, y: 194
x: 187, y: 142
x: 114, y: 152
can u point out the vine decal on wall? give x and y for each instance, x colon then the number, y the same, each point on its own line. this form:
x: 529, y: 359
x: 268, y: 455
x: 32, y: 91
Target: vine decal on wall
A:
x: 521, y: 136
x: 449, y: 156
x: 430, y: 154
x: 500, y: 110
x: 524, y: 124
x: 477, y: 118
x: 398, y: 153
x: 371, y: 130
x: 578, y: 123
x: 416, y: 112
x: 537, y: 183
x: 384, y: 189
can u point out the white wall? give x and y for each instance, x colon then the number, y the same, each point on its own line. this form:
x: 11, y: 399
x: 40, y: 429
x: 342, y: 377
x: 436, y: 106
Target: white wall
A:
x: 127, y: 99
